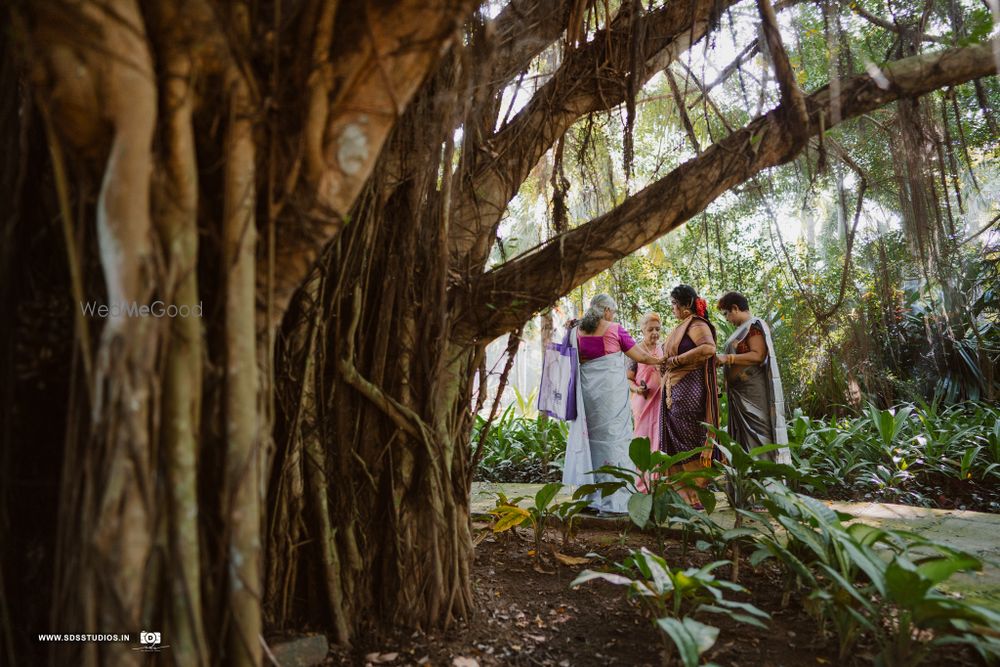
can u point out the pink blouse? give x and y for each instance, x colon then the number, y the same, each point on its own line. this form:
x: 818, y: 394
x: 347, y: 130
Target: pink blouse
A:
x: 615, y: 339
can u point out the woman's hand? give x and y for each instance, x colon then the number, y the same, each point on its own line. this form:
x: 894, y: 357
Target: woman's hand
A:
x: 722, y: 359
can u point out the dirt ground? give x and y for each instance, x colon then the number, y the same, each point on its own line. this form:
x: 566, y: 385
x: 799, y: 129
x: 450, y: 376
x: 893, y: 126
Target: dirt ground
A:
x: 527, y: 617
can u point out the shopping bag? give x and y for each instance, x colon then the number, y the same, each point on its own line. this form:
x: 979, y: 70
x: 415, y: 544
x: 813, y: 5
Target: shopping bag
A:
x: 557, y: 393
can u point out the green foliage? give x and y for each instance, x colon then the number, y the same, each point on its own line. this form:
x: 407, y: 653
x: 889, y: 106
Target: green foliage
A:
x: 747, y: 474
x: 520, y: 448
x: 672, y: 597
x: 899, y: 454
x: 653, y: 499
x: 865, y: 580
x: 510, y: 515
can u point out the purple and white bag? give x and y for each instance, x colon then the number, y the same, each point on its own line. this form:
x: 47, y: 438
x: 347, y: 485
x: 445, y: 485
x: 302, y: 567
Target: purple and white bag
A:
x: 557, y: 393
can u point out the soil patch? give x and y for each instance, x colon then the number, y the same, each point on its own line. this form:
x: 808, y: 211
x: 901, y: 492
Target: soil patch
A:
x: 526, y: 617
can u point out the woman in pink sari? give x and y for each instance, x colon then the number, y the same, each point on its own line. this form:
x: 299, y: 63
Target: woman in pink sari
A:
x: 645, y: 384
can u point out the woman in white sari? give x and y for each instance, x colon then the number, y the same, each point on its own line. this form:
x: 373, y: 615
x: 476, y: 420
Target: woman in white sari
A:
x: 753, y: 383
x: 601, y: 433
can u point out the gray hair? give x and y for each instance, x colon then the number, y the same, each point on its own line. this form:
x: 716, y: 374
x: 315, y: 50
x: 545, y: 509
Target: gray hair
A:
x: 595, y: 313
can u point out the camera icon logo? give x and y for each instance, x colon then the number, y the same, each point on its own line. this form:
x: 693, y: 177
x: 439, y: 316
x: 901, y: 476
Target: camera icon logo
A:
x: 148, y: 638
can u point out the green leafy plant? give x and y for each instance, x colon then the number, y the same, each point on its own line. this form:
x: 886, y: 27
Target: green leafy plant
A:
x: 863, y: 579
x: 913, y: 454
x: 747, y: 475
x: 673, y: 597
x: 907, y: 605
x: 510, y: 514
x: 519, y: 448
x: 653, y: 498
x: 567, y: 512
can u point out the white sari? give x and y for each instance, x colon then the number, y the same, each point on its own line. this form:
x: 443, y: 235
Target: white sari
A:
x: 601, y: 433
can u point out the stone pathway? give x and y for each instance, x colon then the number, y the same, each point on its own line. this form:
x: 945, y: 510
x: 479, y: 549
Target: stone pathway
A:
x: 975, y: 532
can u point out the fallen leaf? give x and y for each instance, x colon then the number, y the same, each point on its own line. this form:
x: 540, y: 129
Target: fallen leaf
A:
x: 570, y: 560
x: 462, y: 661
x: 379, y: 658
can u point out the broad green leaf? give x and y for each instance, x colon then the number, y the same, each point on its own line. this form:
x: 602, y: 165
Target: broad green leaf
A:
x: 903, y: 583
x: 610, y: 577
x: 546, y: 494
x: 757, y: 452
x: 865, y: 558
x: 606, y: 489
x: 690, y: 637
x: 640, y: 506
x: 745, y: 606
x: 640, y: 453
x: 707, y: 498
x: 939, y: 569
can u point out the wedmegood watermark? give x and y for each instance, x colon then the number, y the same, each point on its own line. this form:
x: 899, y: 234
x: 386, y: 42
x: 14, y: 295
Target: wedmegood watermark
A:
x: 136, y: 309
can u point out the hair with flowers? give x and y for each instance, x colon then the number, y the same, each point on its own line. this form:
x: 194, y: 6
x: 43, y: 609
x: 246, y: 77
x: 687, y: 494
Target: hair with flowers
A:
x: 700, y: 307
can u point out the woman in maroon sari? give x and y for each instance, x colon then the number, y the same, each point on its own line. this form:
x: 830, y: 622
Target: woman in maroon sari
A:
x: 690, y: 391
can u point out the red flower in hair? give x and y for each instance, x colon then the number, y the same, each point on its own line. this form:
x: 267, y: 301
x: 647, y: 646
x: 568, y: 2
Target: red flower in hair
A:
x: 700, y: 307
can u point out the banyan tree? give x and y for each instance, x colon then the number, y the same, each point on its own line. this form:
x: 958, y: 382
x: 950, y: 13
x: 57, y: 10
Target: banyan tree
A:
x: 319, y: 185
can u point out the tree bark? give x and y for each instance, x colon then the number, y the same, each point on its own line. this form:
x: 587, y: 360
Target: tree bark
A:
x: 176, y: 215
x: 403, y: 40
x: 367, y: 501
x: 242, y: 501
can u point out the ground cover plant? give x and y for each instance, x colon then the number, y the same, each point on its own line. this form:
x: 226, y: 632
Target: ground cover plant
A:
x: 861, y: 580
x: 521, y: 449
x: 677, y: 600
x: 921, y: 454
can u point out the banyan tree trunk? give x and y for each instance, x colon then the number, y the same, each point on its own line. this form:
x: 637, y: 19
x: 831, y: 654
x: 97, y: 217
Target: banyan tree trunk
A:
x: 385, y: 457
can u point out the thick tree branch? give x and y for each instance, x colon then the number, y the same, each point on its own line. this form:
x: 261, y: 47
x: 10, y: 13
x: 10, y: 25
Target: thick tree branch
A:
x: 591, y: 78
x: 403, y: 42
x: 504, y: 298
x: 523, y: 30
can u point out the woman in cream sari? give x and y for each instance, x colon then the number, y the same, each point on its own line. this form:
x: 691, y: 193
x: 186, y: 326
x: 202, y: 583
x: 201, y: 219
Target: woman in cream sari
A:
x: 753, y: 383
x: 690, y: 392
x: 601, y: 433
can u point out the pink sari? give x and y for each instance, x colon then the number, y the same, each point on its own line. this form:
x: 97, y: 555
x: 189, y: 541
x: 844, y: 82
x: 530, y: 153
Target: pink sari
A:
x: 646, y: 409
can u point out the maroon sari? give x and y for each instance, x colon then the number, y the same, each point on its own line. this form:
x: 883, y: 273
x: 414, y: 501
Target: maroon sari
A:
x: 690, y: 396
